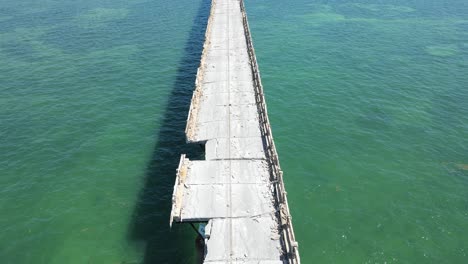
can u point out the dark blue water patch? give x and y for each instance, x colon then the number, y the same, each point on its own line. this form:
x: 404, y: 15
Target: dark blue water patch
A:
x: 34, y: 13
x: 20, y: 50
x: 374, y: 118
x: 6, y: 25
x: 462, y: 28
x: 450, y: 105
x: 423, y: 8
x: 73, y: 39
x: 47, y: 18
x: 134, y: 25
x: 6, y: 19
x: 376, y: 11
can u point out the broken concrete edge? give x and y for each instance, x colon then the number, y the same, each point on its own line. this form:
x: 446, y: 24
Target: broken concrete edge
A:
x: 197, y: 93
x: 177, y: 194
x: 287, y: 231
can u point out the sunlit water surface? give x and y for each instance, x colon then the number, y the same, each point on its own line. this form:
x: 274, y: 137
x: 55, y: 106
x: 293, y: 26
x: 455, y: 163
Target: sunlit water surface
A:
x: 368, y: 101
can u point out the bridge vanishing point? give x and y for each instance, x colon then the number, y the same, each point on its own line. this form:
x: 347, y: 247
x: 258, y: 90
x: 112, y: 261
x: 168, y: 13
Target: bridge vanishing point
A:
x: 238, y: 189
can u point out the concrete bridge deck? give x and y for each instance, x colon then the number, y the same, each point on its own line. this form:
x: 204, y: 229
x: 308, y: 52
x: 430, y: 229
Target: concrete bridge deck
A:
x: 238, y: 189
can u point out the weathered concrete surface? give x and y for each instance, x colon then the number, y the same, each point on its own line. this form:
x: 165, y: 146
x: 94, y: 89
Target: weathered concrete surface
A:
x: 225, y: 107
x: 235, y: 198
x: 223, y: 189
x: 234, y: 189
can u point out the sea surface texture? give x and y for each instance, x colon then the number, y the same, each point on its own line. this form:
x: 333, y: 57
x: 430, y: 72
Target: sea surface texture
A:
x: 368, y: 102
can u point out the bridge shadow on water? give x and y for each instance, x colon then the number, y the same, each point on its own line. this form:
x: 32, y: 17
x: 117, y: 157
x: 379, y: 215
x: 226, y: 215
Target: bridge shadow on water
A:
x: 150, y: 222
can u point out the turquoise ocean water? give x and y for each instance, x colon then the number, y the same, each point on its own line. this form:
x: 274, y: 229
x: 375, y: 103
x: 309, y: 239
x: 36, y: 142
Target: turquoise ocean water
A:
x: 368, y: 101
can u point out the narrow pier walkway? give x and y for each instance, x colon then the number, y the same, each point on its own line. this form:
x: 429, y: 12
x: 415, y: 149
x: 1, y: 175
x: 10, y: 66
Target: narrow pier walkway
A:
x: 238, y: 189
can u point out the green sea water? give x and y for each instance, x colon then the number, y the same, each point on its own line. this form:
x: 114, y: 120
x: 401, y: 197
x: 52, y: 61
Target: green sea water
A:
x: 368, y: 101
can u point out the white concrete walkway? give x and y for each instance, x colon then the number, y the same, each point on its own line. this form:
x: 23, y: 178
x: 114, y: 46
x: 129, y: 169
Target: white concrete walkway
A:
x: 232, y: 189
